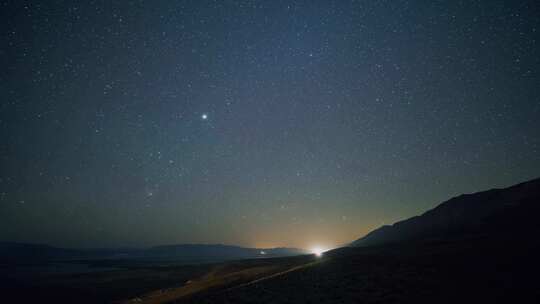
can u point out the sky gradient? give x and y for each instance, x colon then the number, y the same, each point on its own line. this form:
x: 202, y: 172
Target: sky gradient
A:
x: 257, y: 123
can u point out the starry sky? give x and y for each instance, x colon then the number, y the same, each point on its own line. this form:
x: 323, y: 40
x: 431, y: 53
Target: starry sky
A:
x: 257, y: 123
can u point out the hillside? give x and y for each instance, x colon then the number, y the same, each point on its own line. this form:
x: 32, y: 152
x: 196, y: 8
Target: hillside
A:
x: 511, y: 210
x: 475, y: 248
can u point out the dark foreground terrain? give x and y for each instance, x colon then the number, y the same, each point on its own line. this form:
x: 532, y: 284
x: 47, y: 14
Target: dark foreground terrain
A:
x: 465, y: 271
x: 475, y: 270
x: 117, y: 280
x: 476, y: 248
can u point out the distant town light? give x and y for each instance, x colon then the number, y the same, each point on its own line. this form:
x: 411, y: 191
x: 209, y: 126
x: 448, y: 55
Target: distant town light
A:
x: 318, y: 251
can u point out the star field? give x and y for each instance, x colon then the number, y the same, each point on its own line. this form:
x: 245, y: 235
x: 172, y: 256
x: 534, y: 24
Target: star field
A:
x: 257, y: 123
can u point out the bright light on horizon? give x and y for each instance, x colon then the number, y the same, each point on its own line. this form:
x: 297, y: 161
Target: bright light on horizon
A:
x: 318, y: 251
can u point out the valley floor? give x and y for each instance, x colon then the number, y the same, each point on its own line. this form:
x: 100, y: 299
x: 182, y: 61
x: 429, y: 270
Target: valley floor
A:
x: 472, y: 271
x: 476, y: 270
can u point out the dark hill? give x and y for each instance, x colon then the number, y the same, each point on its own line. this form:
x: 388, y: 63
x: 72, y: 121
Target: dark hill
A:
x: 512, y: 210
x: 475, y: 248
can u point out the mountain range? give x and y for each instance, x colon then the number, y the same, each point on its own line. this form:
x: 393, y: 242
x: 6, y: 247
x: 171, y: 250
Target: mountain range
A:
x: 512, y: 211
x: 24, y: 251
x: 475, y: 248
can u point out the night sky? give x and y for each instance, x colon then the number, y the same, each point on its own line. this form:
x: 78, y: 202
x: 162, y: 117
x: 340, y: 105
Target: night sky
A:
x: 257, y: 123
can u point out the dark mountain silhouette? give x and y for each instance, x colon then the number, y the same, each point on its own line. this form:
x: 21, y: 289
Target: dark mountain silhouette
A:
x: 195, y: 251
x: 12, y: 250
x: 475, y: 248
x: 24, y: 251
x: 509, y: 211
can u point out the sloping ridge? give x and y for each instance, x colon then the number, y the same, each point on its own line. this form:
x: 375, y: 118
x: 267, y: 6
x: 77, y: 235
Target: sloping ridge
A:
x: 512, y: 210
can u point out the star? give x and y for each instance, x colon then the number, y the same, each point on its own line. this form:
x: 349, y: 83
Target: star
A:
x: 204, y: 116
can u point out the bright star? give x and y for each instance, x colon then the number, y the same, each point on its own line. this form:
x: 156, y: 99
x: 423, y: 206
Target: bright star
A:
x: 204, y: 116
